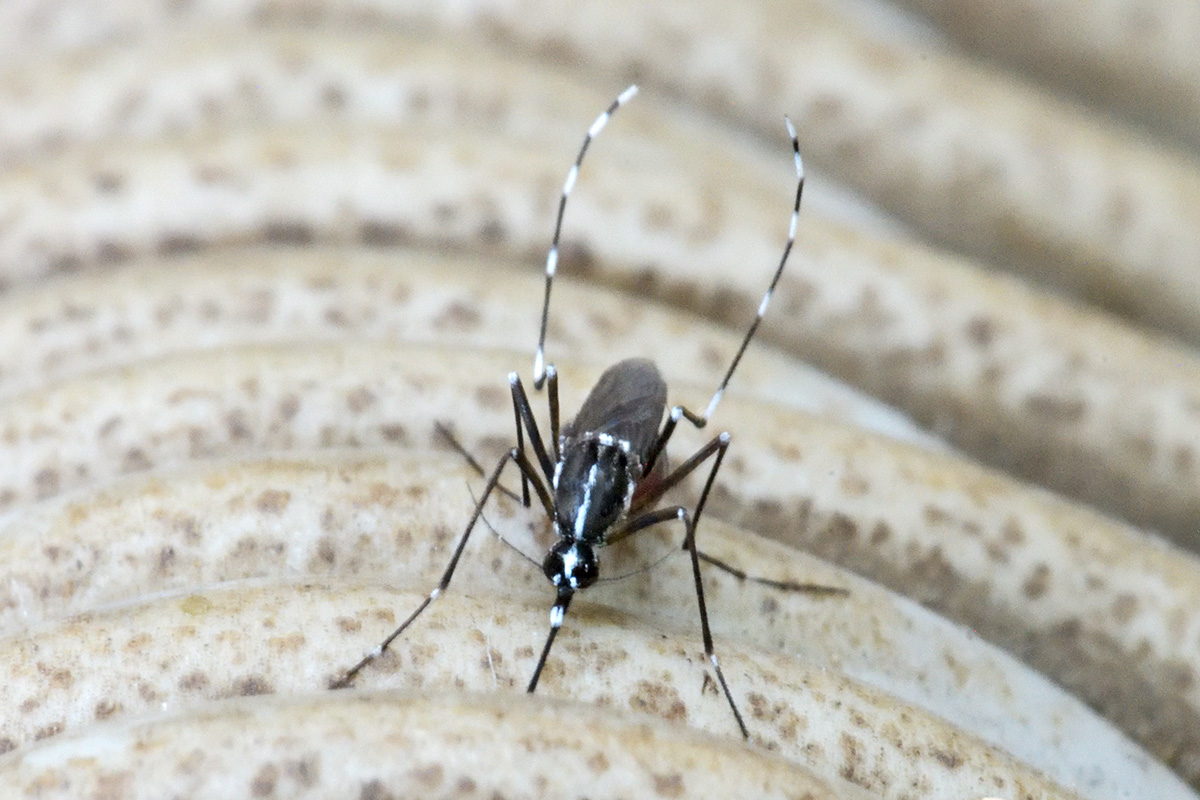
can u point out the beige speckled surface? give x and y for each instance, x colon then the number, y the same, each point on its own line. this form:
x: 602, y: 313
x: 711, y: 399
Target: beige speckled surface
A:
x: 1063, y: 396
x: 989, y: 545
x: 1006, y: 171
x: 284, y: 639
x: 105, y: 320
x: 397, y: 745
x: 350, y: 516
x: 331, y: 207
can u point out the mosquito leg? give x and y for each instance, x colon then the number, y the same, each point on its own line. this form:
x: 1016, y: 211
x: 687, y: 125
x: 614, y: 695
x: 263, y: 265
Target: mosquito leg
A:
x: 493, y: 481
x: 453, y: 441
x: 690, y: 546
x: 646, y: 520
x: 717, y: 445
x: 552, y: 397
x: 525, y: 415
x: 783, y: 586
x: 520, y: 438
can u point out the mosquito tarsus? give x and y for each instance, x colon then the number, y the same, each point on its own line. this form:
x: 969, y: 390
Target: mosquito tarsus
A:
x: 591, y: 481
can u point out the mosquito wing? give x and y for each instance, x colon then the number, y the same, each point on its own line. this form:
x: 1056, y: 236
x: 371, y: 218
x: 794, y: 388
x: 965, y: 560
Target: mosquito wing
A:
x: 626, y: 403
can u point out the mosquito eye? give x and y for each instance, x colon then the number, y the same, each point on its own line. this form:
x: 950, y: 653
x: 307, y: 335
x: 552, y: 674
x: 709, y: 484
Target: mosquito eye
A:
x: 585, y: 573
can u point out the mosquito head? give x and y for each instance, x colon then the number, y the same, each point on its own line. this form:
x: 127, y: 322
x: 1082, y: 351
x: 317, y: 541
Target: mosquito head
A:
x: 571, y: 565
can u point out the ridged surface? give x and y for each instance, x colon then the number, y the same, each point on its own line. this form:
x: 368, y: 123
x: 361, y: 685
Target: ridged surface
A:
x: 252, y: 253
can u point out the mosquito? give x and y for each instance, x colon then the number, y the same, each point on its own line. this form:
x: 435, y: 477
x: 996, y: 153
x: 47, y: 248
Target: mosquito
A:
x: 604, y: 471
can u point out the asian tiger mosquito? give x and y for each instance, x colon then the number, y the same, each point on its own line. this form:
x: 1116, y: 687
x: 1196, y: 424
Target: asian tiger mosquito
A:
x: 592, y: 485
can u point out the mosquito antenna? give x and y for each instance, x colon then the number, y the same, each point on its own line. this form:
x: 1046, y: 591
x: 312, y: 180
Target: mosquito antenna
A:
x: 653, y: 565
x: 766, y: 299
x: 497, y: 534
x: 539, y: 360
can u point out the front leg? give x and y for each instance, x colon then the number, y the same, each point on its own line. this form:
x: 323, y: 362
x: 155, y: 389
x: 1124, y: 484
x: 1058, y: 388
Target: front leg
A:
x: 528, y: 472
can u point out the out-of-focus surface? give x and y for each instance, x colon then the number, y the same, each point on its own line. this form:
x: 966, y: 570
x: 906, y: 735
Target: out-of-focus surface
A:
x: 234, y: 232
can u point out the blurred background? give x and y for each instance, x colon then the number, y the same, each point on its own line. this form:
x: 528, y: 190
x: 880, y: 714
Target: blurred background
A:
x: 992, y: 310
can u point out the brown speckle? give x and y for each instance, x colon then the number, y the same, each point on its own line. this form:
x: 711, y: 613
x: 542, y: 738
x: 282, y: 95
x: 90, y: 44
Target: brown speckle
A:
x: 1012, y: 532
x: 394, y: 433
x: 188, y: 526
x: 136, y: 460
x: 493, y: 232
x: 383, y: 234
x: 326, y: 552
x: 46, y: 731
x: 1038, y: 582
x: 668, y: 785
x: 852, y: 760
x: 195, y: 681
x: 273, y: 501
x: 237, y: 427
x: 853, y: 484
x: 264, y: 781
x: 178, y: 244
x: 840, y: 530
x: 252, y: 686
x: 598, y: 763
x: 110, y: 252
x: 374, y: 790
x: 360, y: 400
x: 936, y: 516
x: 104, y: 709
x: 430, y: 777
x: 1124, y: 607
x: 1184, y: 459
x: 46, y: 483
x: 981, y: 331
x: 288, y: 406
x: 213, y: 174
x: 333, y: 97
x: 1057, y: 409
x: 660, y: 700
x: 948, y: 759
x: 107, y: 182
x: 304, y: 771
x: 457, y: 316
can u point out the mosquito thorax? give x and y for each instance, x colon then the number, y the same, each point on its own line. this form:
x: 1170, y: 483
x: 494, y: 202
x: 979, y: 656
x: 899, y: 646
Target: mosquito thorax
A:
x: 571, y: 564
x: 595, y: 480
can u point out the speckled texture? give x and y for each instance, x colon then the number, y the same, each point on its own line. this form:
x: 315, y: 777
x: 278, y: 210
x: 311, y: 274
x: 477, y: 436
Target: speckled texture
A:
x: 347, y: 516
x: 399, y: 746
x: 104, y: 320
x: 1010, y: 173
x: 228, y: 153
x: 1055, y: 394
x: 967, y: 545
x: 283, y: 639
